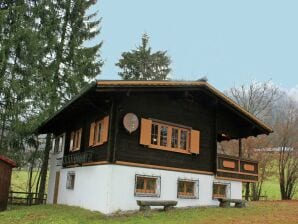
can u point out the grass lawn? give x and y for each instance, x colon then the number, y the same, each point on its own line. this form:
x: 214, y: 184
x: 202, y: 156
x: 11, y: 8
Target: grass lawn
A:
x: 19, y: 180
x: 257, y: 212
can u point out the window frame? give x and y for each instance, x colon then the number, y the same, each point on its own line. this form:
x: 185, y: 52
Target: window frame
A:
x: 94, y: 126
x: 70, y: 184
x: 170, y: 128
x: 75, y: 140
x: 219, y: 196
x: 57, y: 148
x: 95, y: 138
x: 145, y: 194
x: 195, y: 194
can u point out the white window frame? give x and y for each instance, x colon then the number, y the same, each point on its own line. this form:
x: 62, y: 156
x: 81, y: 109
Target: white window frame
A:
x: 157, y: 190
x: 228, y: 189
x: 196, y: 188
x: 69, y: 185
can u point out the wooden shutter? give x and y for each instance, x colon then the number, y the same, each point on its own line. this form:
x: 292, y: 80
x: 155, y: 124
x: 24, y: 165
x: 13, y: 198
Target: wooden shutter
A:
x: 105, y: 129
x: 195, y: 141
x: 91, y: 137
x: 71, y: 141
x: 145, y: 137
x: 79, y: 139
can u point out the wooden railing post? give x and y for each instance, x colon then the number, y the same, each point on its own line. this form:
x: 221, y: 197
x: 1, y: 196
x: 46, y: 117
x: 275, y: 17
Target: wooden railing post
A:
x: 240, y: 147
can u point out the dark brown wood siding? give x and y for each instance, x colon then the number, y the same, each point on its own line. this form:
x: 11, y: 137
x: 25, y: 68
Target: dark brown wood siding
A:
x: 83, y: 119
x: 173, y: 108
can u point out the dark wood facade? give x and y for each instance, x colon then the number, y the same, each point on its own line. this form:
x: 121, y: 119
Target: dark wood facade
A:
x: 6, y: 166
x: 193, y: 106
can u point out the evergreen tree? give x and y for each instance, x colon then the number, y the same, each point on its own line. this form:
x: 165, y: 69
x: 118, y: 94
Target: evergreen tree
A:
x: 44, y: 62
x: 16, y: 57
x: 65, y: 64
x: 141, y: 64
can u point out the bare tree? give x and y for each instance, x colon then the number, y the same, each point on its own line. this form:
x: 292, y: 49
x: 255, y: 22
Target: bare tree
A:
x: 258, y: 99
x: 286, y: 141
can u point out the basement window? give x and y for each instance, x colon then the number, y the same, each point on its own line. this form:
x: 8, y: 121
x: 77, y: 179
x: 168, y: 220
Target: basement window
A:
x: 219, y: 191
x: 147, y: 186
x: 70, y: 180
x: 188, y: 189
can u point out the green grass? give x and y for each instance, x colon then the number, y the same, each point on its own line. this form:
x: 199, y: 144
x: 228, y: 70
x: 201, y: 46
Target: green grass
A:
x: 256, y: 212
x: 19, y: 180
x: 271, y: 189
x: 271, y: 185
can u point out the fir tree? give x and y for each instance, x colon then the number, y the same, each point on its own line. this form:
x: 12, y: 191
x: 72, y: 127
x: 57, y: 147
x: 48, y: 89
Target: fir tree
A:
x: 141, y: 64
x: 44, y: 62
x: 16, y: 58
x: 66, y: 64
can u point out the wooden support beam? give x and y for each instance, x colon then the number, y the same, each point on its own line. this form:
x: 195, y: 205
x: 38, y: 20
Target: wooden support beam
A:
x: 240, y: 147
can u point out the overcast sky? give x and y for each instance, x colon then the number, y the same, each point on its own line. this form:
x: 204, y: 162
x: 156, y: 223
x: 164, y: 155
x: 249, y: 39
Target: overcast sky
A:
x: 230, y: 42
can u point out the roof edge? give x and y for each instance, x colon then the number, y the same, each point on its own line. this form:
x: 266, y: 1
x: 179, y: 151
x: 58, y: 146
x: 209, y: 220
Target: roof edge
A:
x: 237, y: 106
x: 231, y: 102
x: 8, y: 161
x: 85, y: 90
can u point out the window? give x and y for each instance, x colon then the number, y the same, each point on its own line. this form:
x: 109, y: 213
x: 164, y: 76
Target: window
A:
x: 75, y: 140
x: 187, y: 189
x: 58, y: 143
x: 147, y: 186
x: 219, y: 190
x: 70, y: 180
x: 99, y: 132
x: 168, y: 136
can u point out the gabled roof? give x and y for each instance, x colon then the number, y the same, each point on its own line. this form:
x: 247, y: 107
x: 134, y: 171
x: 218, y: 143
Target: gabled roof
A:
x: 117, y: 85
x: 8, y: 161
x: 112, y: 83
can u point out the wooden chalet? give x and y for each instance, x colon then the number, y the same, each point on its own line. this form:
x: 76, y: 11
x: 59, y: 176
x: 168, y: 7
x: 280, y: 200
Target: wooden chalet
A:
x: 163, y: 127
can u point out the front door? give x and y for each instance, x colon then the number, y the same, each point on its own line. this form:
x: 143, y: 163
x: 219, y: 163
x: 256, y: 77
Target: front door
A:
x: 56, y: 189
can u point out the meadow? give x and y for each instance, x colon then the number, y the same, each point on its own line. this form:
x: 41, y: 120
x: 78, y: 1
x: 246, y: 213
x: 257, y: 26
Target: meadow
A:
x: 269, y: 212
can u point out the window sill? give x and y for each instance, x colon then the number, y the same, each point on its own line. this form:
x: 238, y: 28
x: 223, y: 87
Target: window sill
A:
x: 187, y: 197
x: 147, y: 195
x: 169, y: 149
x: 97, y: 144
x: 218, y: 197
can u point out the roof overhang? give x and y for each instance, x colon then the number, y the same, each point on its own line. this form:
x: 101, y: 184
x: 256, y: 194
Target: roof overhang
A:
x: 118, y: 86
x: 8, y: 161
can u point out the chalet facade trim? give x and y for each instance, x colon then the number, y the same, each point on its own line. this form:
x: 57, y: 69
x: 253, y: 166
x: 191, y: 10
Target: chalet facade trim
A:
x: 107, y: 164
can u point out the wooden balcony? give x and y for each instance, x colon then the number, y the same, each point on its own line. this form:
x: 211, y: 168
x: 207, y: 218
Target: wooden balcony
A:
x: 235, y: 168
x: 78, y: 158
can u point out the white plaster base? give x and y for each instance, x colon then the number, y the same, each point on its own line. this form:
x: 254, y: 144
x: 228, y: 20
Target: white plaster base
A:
x: 110, y: 188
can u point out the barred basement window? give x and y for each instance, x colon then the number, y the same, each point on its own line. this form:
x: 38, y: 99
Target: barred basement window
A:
x: 188, y: 189
x: 169, y: 136
x: 99, y: 132
x: 75, y: 140
x: 70, y: 180
x: 219, y: 191
x: 147, y: 186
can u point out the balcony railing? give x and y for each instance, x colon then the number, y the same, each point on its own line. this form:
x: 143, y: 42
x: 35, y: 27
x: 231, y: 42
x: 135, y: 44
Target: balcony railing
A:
x: 230, y: 167
x: 78, y: 158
